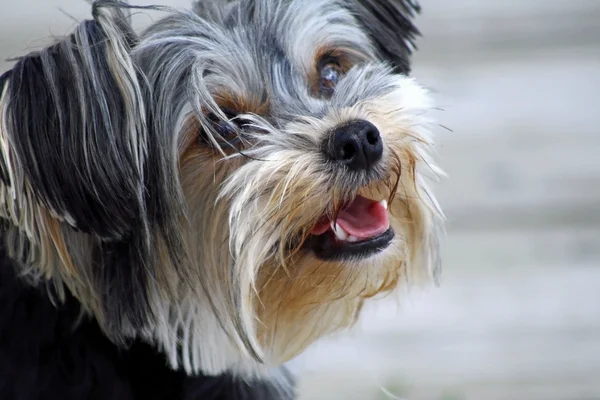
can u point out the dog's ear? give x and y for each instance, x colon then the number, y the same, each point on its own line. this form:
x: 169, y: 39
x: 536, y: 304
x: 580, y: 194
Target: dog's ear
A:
x: 73, y: 128
x: 390, y: 26
x: 75, y: 151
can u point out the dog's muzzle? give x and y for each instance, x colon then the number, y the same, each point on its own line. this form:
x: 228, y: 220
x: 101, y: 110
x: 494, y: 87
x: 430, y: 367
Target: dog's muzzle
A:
x: 362, y: 227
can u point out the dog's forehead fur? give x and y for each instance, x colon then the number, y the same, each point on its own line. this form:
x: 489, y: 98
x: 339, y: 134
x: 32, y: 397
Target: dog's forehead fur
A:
x: 262, y: 52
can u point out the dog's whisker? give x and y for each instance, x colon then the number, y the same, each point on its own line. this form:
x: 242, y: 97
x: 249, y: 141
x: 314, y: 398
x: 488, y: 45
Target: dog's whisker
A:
x: 446, y: 128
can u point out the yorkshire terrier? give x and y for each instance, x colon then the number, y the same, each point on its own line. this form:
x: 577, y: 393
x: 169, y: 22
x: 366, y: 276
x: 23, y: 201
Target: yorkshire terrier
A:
x: 185, y: 210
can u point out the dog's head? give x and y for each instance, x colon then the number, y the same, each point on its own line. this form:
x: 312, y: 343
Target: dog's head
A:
x: 231, y: 185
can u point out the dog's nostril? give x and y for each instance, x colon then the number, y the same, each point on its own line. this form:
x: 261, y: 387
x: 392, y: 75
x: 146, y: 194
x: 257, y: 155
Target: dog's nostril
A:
x: 356, y: 144
x: 348, y: 151
x: 372, y: 137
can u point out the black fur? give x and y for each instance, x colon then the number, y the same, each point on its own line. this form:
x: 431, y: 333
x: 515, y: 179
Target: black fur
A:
x: 390, y: 26
x: 47, y: 354
x: 69, y: 112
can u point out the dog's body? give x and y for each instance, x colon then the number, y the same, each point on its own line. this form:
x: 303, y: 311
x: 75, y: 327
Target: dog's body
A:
x: 50, y: 353
x: 185, y: 211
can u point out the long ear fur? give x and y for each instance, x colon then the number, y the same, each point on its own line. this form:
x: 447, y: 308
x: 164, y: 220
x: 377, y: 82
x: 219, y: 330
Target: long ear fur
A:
x: 75, y: 151
x: 74, y: 123
x: 390, y: 26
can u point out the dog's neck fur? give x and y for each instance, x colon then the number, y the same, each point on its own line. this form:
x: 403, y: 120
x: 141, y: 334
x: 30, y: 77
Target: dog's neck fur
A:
x: 55, y: 352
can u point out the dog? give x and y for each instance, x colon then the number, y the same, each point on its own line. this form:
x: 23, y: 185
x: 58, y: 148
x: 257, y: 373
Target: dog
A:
x: 186, y: 209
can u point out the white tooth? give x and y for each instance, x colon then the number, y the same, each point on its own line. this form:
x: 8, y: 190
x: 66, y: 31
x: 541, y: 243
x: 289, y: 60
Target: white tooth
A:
x: 352, y: 239
x: 339, y: 232
x: 384, y: 203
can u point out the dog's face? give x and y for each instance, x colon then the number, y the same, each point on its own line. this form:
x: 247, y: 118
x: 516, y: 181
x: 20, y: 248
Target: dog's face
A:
x: 267, y: 178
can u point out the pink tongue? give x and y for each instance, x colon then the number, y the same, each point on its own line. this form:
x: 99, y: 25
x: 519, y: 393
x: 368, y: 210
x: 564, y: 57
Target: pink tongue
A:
x: 364, y: 218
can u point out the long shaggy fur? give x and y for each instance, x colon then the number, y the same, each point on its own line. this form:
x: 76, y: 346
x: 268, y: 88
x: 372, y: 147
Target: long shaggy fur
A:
x: 123, y: 204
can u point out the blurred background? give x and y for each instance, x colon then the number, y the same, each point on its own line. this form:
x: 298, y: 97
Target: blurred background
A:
x: 517, y: 316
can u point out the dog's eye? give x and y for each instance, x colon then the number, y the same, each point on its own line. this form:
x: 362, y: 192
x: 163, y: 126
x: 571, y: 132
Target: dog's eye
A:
x: 329, y: 76
x: 228, y: 131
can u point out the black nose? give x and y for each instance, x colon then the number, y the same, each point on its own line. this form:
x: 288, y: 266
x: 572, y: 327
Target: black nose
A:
x: 356, y: 144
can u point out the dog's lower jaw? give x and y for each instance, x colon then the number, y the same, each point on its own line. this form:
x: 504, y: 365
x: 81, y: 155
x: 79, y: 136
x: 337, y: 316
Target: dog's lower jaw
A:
x: 317, y: 298
x: 293, y: 306
x: 292, y: 311
x: 204, y: 346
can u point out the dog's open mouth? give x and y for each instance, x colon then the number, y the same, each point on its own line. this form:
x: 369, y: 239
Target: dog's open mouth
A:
x: 362, y: 229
